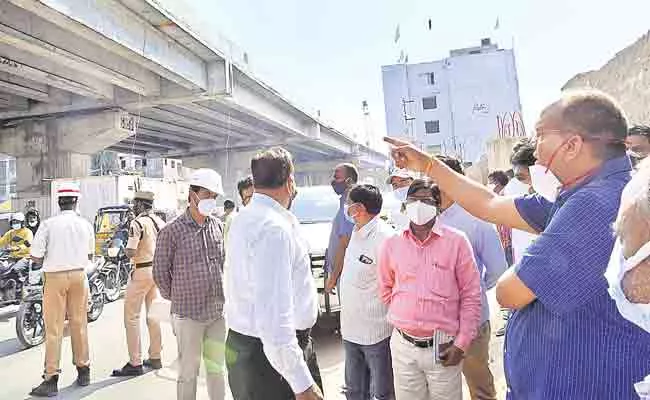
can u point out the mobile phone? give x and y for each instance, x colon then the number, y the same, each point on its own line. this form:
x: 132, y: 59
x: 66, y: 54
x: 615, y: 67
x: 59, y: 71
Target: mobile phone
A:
x: 441, y: 348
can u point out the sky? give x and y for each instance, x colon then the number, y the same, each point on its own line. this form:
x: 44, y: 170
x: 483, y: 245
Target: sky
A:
x: 327, y: 55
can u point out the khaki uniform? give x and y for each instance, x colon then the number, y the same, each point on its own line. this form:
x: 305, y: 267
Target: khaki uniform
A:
x: 65, y: 242
x: 142, y: 288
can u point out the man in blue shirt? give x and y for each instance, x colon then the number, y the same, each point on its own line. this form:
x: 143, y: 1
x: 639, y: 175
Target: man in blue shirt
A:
x: 345, y: 176
x: 491, y: 262
x: 566, y: 340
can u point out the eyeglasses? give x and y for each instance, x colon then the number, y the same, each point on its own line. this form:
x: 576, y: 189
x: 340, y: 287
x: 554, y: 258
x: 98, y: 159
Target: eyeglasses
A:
x: 429, y: 201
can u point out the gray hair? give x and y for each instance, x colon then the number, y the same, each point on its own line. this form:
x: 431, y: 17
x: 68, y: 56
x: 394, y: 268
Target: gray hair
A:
x: 637, y: 192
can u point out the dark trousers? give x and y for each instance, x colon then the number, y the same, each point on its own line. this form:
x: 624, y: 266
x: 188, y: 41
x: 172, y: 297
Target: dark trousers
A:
x: 368, y: 371
x: 251, y: 376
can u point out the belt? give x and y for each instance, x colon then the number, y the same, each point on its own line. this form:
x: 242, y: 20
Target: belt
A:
x: 144, y: 265
x: 421, y: 343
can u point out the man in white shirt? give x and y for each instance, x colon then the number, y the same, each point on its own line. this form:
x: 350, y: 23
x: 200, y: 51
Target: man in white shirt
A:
x: 364, y: 327
x: 64, y: 245
x: 270, y: 298
x: 400, y: 180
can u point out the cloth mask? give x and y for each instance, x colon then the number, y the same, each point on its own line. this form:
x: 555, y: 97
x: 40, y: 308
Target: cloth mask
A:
x: 639, y: 314
x: 544, y: 182
x: 420, y: 213
x: 401, y: 193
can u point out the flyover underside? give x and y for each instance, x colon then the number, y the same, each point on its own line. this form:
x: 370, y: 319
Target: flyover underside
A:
x: 144, y: 79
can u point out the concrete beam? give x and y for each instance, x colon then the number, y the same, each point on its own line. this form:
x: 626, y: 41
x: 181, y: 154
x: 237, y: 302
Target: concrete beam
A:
x: 33, y: 45
x: 176, y: 117
x: 170, y: 137
x: 115, y: 28
x: 12, y: 101
x: 224, y: 120
x: 154, y: 124
x: 24, y: 91
x: 45, y: 77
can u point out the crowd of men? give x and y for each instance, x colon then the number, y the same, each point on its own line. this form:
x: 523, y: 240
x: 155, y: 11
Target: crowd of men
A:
x: 565, y: 240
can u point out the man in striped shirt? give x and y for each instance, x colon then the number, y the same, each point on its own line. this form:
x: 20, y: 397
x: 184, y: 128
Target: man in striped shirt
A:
x: 364, y: 327
x: 566, y: 340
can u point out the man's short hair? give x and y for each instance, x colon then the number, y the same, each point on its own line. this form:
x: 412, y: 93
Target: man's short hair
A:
x: 599, y: 120
x: 499, y: 177
x: 229, y: 205
x: 452, y: 163
x: 510, y: 173
x: 369, y: 196
x: 350, y: 171
x: 244, y: 184
x: 271, y: 168
x: 420, y: 184
x: 523, y: 153
x: 640, y: 130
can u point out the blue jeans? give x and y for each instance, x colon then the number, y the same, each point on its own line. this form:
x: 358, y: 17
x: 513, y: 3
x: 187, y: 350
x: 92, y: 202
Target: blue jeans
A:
x: 368, y: 371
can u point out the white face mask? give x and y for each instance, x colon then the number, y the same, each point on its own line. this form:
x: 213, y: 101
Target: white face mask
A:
x: 639, y: 314
x: 16, y: 226
x: 207, y: 207
x: 420, y: 213
x: 544, y: 182
x: 401, y: 193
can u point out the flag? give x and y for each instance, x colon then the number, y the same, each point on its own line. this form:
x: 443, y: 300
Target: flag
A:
x: 406, y: 59
x: 496, y: 25
x: 430, y: 25
x: 401, y: 56
x: 397, y: 34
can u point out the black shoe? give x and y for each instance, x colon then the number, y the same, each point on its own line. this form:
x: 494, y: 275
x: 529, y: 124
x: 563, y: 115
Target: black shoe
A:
x: 128, y: 370
x: 153, y: 363
x: 83, y: 376
x: 47, y: 388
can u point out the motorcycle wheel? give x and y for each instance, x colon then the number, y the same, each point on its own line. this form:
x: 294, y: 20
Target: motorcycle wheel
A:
x: 113, y: 287
x: 96, y: 307
x: 30, y: 327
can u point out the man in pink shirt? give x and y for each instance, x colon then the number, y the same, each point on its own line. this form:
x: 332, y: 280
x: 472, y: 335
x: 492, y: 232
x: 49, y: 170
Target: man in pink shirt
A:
x: 429, y: 280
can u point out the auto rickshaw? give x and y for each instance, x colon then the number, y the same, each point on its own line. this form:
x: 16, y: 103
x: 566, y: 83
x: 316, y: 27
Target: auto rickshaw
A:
x: 107, y: 222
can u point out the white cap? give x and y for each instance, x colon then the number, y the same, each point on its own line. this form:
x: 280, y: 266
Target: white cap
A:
x: 208, y: 179
x: 18, y: 217
x: 399, y: 173
x: 68, y: 189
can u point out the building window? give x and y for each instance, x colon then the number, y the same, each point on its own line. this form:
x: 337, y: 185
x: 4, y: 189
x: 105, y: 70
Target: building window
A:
x: 431, y: 78
x: 432, y: 126
x: 430, y: 103
x: 144, y: 162
x: 173, y: 164
x: 123, y: 163
x: 165, y: 162
x: 138, y: 163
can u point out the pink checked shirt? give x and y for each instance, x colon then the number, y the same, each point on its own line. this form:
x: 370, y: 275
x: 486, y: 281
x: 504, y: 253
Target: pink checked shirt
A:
x: 431, y: 285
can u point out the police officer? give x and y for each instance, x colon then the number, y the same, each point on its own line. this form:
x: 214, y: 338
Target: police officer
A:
x: 64, y: 245
x: 141, y: 245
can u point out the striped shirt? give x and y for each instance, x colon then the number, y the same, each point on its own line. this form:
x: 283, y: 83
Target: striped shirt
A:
x: 571, y: 342
x: 363, y: 314
x: 188, y: 267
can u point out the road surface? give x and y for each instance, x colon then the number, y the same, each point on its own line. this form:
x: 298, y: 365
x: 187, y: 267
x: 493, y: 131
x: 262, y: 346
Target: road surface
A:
x: 20, y: 370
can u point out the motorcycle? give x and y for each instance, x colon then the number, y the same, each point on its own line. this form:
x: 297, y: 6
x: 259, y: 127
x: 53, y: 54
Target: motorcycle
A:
x: 30, y: 327
x: 116, y: 269
x: 13, y: 274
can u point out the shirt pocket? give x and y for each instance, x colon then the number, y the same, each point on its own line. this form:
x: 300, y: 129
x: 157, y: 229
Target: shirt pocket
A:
x: 440, y: 281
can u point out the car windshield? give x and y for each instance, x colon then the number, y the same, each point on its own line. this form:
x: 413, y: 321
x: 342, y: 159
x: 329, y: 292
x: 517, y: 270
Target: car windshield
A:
x: 315, y: 204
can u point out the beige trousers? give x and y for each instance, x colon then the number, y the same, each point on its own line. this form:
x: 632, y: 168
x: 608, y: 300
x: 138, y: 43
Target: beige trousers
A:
x: 141, y: 289
x: 418, y: 376
x: 65, y: 293
x: 476, y: 366
x: 196, y: 340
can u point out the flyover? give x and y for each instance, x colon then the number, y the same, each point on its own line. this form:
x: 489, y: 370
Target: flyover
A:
x: 80, y: 76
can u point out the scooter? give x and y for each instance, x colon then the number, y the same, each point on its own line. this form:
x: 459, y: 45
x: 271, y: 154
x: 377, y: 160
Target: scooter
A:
x: 30, y: 327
